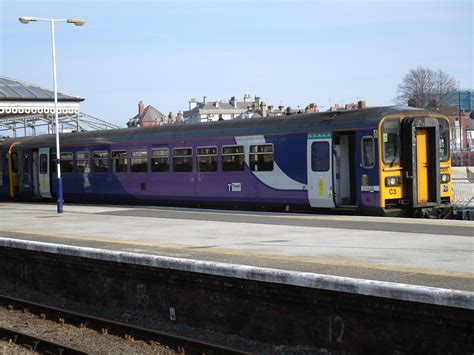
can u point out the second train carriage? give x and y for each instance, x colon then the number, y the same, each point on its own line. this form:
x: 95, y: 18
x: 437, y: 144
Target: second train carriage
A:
x: 373, y: 159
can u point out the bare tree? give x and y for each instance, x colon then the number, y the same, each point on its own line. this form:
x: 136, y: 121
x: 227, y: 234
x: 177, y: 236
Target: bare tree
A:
x: 427, y: 88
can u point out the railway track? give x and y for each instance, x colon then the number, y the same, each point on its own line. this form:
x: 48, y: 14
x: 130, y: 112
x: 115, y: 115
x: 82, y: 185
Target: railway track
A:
x: 182, y: 345
x: 38, y: 344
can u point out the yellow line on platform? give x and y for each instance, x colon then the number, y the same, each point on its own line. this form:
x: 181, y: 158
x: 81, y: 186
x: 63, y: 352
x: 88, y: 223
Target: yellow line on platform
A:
x: 231, y: 252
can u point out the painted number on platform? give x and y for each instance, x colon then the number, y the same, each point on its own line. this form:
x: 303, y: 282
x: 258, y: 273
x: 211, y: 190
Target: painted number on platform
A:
x: 336, y: 329
x: 234, y: 187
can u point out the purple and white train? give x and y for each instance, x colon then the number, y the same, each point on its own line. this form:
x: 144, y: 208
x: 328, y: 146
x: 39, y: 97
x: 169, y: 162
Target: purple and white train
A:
x: 373, y: 159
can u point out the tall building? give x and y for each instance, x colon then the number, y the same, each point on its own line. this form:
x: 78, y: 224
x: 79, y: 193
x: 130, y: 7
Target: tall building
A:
x: 147, y: 116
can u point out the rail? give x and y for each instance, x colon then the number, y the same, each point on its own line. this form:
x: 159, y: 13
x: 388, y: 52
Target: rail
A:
x: 183, y: 345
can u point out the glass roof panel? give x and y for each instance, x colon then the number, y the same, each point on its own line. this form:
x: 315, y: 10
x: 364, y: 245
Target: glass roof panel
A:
x: 40, y: 93
x: 25, y: 94
x: 5, y: 89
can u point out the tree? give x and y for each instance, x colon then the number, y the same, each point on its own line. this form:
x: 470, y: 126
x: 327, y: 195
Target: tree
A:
x: 428, y: 89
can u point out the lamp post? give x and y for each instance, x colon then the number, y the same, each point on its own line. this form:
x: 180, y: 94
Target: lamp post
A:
x: 76, y: 22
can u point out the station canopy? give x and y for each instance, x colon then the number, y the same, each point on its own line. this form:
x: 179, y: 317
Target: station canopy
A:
x: 25, y: 107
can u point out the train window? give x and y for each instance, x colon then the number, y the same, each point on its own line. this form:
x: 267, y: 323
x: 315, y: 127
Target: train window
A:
x: 26, y: 164
x: 320, y: 156
x: 443, y: 139
x: 391, y: 141
x: 82, y: 162
x: 101, y: 162
x: 160, y: 160
x: 119, y: 161
x: 207, y: 159
x: 43, y: 163
x: 233, y: 158
x: 139, y: 161
x: 261, y: 157
x: 367, y: 152
x: 66, y: 163
x: 183, y: 160
x: 14, y: 158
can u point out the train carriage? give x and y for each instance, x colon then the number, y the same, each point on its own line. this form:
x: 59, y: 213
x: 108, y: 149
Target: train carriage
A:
x: 372, y: 160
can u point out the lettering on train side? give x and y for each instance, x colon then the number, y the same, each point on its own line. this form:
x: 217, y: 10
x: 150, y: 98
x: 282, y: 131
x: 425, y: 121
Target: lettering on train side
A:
x: 234, y: 187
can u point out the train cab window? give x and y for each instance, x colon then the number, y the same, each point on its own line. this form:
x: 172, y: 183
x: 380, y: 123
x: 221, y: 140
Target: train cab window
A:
x: 119, y: 161
x: 320, y: 156
x: 160, y: 160
x: 82, y: 162
x: 207, y: 159
x: 261, y: 157
x: 391, y: 141
x: 14, y: 157
x: 367, y: 152
x: 183, y: 160
x: 43, y: 163
x: 26, y: 164
x: 443, y: 139
x: 66, y: 163
x: 233, y: 158
x: 139, y: 161
x: 101, y: 162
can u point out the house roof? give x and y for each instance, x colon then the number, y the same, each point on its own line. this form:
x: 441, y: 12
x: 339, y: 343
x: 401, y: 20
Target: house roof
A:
x: 149, y: 114
x: 16, y: 90
x: 222, y: 106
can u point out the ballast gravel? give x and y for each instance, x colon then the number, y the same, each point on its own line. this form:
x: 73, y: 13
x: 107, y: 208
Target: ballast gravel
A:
x: 9, y: 347
x: 145, y: 319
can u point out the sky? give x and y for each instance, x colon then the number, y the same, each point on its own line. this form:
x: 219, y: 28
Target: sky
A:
x: 286, y: 52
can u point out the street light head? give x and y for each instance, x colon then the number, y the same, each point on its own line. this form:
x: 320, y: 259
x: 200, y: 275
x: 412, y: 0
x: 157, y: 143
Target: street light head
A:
x: 25, y: 20
x: 75, y: 21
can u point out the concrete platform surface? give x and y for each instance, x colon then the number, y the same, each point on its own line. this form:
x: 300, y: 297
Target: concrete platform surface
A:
x: 434, y: 253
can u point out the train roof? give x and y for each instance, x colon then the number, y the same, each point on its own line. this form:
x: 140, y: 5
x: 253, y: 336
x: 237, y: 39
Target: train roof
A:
x: 320, y: 121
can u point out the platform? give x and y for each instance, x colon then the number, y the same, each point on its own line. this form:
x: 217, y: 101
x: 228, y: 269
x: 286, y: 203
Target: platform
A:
x: 433, y: 253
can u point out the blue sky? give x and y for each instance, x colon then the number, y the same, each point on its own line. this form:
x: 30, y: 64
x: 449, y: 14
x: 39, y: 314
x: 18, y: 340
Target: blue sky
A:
x: 287, y: 52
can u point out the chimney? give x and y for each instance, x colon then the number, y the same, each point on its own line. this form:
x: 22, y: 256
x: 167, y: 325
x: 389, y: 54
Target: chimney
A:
x: 270, y: 108
x: 361, y: 105
x: 281, y: 108
x: 192, y: 103
x: 233, y: 102
x: 141, y: 107
x: 247, y: 98
x: 170, y: 118
x: 204, y: 100
x: 216, y: 104
x: 257, y: 100
x: 179, y: 117
x: 263, y: 108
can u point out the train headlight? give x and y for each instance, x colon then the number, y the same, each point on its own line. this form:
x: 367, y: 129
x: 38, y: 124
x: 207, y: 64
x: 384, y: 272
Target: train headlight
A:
x: 445, y: 178
x: 392, y: 181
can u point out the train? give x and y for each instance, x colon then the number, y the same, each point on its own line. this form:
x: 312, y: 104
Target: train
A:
x: 377, y: 160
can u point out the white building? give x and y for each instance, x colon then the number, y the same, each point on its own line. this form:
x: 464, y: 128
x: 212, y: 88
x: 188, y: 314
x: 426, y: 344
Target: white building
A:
x: 207, y: 111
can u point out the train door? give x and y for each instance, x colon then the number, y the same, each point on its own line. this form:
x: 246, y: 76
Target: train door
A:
x: 13, y: 170
x: 420, y: 154
x: 344, y: 169
x: 35, y: 173
x: 43, y: 176
x: 320, y: 176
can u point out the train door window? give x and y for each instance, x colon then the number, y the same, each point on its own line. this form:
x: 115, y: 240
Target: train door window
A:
x: 367, y: 152
x: 52, y: 163
x: 26, y: 164
x: 139, y: 161
x: 183, y: 160
x: 14, y: 157
x: 82, y: 162
x: 443, y: 139
x: 320, y: 156
x: 261, y: 157
x: 119, y: 161
x: 391, y: 141
x: 233, y: 158
x: 1, y: 168
x: 207, y: 159
x: 66, y: 162
x: 101, y: 162
x: 43, y: 163
x: 160, y: 160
